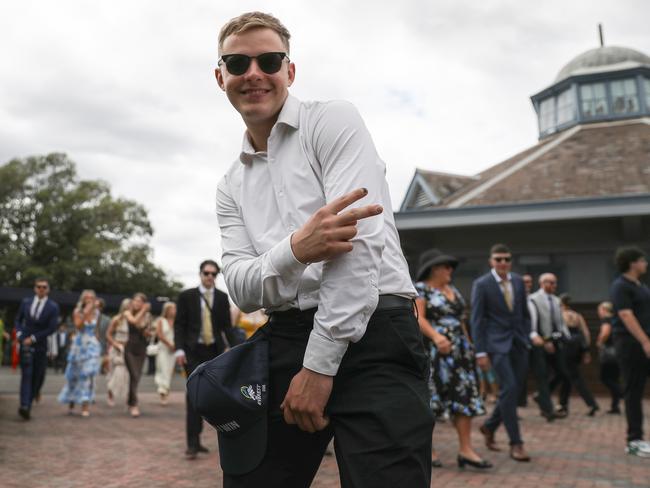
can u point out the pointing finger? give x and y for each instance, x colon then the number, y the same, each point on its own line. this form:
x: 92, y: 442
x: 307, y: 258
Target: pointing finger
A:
x: 335, y: 206
x: 351, y: 216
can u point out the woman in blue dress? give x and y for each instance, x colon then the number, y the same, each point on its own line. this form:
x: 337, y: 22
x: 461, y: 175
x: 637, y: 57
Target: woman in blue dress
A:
x: 453, y: 382
x: 84, y: 356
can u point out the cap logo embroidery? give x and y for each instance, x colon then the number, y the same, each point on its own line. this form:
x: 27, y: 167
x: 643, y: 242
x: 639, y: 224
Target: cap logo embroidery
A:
x: 254, y: 394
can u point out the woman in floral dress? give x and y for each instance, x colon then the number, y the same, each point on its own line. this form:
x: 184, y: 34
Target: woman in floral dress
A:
x: 453, y: 381
x: 84, y: 356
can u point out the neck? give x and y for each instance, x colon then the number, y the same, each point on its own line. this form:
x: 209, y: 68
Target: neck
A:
x: 631, y: 275
x: 258, y: 135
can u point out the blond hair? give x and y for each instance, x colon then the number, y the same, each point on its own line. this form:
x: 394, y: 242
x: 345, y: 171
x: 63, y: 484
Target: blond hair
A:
x: 165, y: 308
x: 254, y: 20
x: 80, y: 302
x: 608, y: 307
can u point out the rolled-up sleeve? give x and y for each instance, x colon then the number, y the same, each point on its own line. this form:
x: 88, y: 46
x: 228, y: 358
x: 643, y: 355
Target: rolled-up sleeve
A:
x: 349, y: 288
x: 254, y: 281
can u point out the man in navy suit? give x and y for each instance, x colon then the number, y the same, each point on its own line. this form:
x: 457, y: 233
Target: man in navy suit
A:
x: 501, y: 329
x: 37, y: 318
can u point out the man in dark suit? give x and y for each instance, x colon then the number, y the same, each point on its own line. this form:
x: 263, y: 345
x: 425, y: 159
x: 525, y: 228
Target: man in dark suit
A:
x: 501, y: 329
x: 37, y: 318
x: 202, y: 331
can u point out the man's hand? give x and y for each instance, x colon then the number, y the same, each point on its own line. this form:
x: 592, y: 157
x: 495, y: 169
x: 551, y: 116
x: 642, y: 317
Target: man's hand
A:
x: 304, y: 403
x: 181, y: 361
x: 327, y: 233
x: 483, y: 363
x: 549, y: 347
x: 537, y: 341
x: 27, y: 342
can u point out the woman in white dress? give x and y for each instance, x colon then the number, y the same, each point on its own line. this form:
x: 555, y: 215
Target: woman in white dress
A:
x: 165, y: 360
x: 117, y: 335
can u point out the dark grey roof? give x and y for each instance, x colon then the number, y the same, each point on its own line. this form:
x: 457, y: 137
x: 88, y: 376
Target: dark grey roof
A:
x: 603, y: 59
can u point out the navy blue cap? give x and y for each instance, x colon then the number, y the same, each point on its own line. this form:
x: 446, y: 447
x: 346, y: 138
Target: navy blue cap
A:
x: 231, y: 393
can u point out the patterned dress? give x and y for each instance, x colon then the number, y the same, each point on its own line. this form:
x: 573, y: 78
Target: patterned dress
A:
x: 453, y: 382
x: 83, y: 364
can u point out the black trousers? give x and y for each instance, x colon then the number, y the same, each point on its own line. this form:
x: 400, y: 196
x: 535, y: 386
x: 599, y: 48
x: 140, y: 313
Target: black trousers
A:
x: 635, y: 367
x: 573, y: 357
x: 134, y: 357
x: 558, y: 363
x: 609, y: 376
x: 379, y: 409
x: 193, y: 421
x: 540, y: 371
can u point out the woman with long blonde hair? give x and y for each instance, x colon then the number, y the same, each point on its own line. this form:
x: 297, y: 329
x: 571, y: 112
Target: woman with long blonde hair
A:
x: 165, y: 360
x: 117, y: 335
x: 84, y: 356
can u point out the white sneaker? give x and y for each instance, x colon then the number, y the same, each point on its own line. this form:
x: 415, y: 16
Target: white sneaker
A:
x: 638, y: 448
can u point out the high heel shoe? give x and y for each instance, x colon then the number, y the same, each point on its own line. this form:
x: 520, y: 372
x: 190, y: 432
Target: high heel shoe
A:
x: 482, y: 464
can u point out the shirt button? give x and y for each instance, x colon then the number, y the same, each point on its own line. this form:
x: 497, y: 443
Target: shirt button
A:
x: 280, y: 193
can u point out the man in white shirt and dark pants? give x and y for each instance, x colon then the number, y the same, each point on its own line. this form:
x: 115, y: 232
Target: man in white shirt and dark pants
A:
x: 346, y: 356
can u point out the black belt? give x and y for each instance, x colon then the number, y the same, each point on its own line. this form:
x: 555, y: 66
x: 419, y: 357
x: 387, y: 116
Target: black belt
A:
x: 386, y: 302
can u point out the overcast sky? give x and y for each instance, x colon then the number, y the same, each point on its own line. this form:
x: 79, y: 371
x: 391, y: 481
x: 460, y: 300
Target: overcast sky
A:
x: 126, y: 88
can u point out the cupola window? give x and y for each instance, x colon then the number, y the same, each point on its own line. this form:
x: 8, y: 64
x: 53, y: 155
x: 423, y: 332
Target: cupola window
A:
x: 594, y: 100
x: 624, y: 96
x: 566, y: 107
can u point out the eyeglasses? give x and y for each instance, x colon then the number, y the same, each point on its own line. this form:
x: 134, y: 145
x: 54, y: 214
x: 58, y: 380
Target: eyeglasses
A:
x: 238, y: 64
x: 42, y: 287
x: 503, y: 259
x: 209, y: 273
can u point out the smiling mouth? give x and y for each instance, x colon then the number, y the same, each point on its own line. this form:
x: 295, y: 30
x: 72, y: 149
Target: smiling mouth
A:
x: 255, y: 91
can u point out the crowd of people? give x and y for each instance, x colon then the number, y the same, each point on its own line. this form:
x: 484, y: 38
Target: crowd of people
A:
x: 521, y: 331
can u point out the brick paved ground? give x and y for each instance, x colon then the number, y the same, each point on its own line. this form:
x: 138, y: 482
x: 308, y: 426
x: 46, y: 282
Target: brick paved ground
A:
x: 110, y: 449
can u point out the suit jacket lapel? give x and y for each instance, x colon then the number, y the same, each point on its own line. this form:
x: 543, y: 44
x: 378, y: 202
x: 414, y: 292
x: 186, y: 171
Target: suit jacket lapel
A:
x: 496, y: 286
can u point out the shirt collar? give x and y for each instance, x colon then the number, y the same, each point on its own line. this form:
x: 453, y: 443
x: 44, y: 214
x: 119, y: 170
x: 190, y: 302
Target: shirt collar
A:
x: 36, y: 299
x: 289, y: 115
x: 203, y: 289
x: 498, y: 278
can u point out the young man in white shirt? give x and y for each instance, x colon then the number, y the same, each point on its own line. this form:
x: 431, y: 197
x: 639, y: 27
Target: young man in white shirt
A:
x: 346, y: 357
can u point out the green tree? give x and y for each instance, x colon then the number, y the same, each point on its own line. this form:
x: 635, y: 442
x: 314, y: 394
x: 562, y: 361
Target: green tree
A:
x: 73, y: 231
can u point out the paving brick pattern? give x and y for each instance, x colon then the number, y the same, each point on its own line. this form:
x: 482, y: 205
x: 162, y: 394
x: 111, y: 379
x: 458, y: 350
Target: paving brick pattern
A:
x: 110, y: 449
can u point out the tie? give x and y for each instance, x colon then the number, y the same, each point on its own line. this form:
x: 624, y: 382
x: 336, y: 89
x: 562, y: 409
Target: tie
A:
x: 553, y: 316
x: 206, y: 330
x: 506, y: 294
x: 36, y: 309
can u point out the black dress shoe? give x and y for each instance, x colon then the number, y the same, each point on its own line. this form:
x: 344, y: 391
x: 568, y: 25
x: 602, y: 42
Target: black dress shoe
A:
x: 203, y: 449
x: 614, y: 411
x: 561, y: 413
x: 550, y: 417
x: 482, y: 464
x: 24, y: 413
x: 191, y: 453
x: 435, y: 463
x: 593, y: 410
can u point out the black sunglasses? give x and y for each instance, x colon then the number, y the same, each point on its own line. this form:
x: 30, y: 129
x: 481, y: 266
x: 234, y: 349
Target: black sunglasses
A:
x: 238, y: 64
x: 208, y: 273
x: 502, y: 260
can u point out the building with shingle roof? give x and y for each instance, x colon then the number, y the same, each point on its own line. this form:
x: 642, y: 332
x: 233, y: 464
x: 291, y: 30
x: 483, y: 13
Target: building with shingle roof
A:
x: 566, y: 203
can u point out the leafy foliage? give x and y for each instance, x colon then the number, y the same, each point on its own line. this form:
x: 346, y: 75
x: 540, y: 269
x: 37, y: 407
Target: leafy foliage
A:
x: 73, y: 231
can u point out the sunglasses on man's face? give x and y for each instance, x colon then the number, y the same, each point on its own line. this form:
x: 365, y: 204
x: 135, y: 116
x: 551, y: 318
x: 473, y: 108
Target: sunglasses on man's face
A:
x: 209, y: 273
x: 503, y: 259
x: 41, y: 287
x: 238, y: 64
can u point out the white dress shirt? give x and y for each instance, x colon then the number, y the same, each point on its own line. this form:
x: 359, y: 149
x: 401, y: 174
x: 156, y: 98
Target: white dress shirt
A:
x: 317, y: 152
x: 37, y: 307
